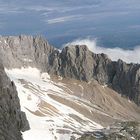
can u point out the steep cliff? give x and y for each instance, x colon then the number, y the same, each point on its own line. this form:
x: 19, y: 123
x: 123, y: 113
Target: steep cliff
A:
x: 75, y: 62
x: 79, y: 63
x: 12, y: 120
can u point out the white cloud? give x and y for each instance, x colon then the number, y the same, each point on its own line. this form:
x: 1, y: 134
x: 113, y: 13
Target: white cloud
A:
x: 41, y: 8
x: 113, y: 53
x: 64, y: 19
x: 9, y: 9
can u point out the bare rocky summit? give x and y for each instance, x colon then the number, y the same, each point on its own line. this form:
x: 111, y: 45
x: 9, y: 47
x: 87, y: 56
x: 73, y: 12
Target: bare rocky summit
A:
x: 76, y: 62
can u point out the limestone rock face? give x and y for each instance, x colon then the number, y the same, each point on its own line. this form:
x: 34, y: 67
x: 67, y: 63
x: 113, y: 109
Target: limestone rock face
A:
x: 24, y: 51
x: 76, y: 62
x: 126, y: 80
x: 12, y: 120
x: 41, y: 53
x: 79, y: 63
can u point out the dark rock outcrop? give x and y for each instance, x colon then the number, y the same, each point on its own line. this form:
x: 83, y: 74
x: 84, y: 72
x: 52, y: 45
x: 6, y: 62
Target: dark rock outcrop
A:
x: 12, y: 120
x: 73, y: 61
x: 79, y: 63
x: 127, y: 80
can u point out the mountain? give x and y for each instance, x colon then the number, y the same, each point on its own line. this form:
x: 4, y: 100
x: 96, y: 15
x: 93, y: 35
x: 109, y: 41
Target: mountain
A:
x: 75, y: 62
x: 68, y: 92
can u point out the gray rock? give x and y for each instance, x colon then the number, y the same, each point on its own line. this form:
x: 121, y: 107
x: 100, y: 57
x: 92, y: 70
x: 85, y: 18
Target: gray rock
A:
x: 79, y: 63
x: 74, y: 62
x: 126, y: 80
x: 12, y: 120
x: 24, y: 51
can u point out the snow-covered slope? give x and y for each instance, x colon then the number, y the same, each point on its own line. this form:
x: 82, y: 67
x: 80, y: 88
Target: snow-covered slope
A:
x: 59, y: 108
x: 49, y: 119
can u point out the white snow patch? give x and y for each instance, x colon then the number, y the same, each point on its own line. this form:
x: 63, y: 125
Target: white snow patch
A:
x: 33, y: 87
x: 45, y: 76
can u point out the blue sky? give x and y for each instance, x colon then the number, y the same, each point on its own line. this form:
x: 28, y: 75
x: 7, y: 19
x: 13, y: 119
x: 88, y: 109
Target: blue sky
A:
x: 63, y: 20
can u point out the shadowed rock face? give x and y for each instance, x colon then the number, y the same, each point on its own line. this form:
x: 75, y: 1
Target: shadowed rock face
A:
x: 127, y: 80
x: 79, y: 63
x: 12, y: 120
x: 75, y: 62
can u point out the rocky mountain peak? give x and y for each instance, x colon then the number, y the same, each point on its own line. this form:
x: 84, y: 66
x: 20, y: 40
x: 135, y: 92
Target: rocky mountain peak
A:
x: 75, y: 61
x: 88, y: 84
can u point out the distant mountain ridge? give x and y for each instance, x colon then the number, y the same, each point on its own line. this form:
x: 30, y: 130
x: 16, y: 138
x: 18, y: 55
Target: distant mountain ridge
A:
x: 72, y: 62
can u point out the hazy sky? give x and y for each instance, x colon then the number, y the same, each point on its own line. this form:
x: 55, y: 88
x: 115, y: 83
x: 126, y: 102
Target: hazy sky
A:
x: 65, y: 19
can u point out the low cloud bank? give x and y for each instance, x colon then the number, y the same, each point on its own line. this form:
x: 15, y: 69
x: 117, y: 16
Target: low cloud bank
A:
x: 113, y: 53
